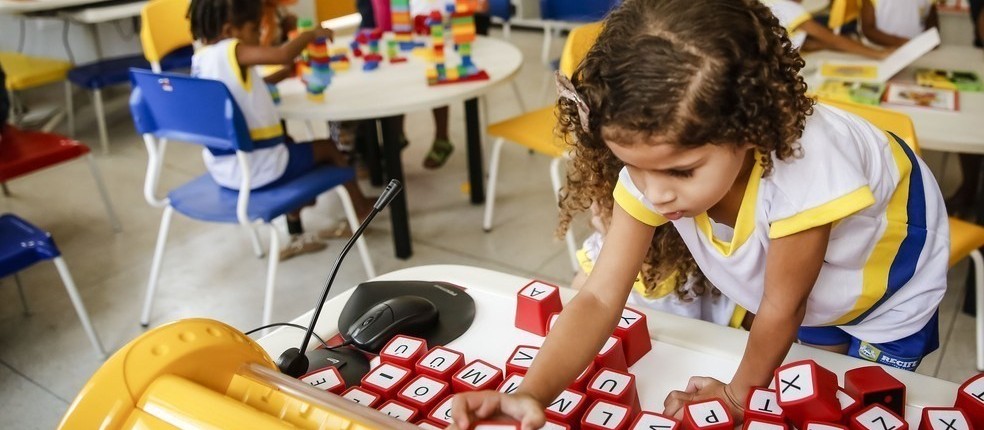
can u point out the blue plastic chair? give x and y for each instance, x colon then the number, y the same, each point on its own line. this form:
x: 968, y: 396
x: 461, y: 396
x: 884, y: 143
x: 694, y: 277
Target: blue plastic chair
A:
x: 159, y: 104
x: 22, y: 245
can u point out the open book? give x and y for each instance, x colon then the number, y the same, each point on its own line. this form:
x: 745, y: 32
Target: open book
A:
x: 881, y: 71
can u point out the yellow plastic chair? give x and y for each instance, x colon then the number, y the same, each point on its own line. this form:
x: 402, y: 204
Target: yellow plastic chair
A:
x: 164, y: 29
x: 843, y: 12
x: 203, y: 374
x: 966, y: 238
x: 25, y: 72
x: 536, y: 130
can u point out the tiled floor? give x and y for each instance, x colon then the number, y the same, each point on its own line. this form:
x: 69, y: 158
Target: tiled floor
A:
x: 209, y: 270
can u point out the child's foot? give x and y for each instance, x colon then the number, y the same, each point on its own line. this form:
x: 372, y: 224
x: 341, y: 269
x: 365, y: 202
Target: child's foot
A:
x: 439, y: 153
x: 301, y: 244
x: 340, y: 231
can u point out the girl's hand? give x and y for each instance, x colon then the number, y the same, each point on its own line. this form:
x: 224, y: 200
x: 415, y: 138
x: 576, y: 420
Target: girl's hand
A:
x: 703, y: 388
x: 468, y: 408
x: 324, y: 32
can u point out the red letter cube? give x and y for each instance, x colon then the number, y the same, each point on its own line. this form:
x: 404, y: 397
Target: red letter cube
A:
x: 754, y: 424
x: 496, y: 425
x: 616, y: 387
x: 511, y: 383
x: 763, y: 406
x: 807, y: 392
x: 877, y: 417
x: 654, y: 421
x: 581, y: 383
x: 849, y: 405
x: 970, y: 398
x: 398, y: 410
x: 476, y: 376
x: 554, y: 425
x: 442, y: 413
x: 521, y: 358
x: 707, y: 415
x: 612, y: 355
x: 823, y: 426
x: 427, y: 425
x: 423, y: 392
x: 872, y: 384
x: 403, y: 351
x: 634, y: 333
x: 551, y: 320
x: 534, y: 304
x: 944, y: 419
x: 386, y: 380
x: 568, y: 407
x: 441, y: 363
x: 362, y: 396
x: 605, y: 415
x: 327, y: 379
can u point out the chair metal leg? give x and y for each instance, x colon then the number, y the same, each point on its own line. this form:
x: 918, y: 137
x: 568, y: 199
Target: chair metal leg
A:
x: 6, y: 191
x: 23, y: 298
x: 69, y: 109
x: 556, y: 181
x: 155, y: 266
x: 493, y: 177
x: 519, y: 96
x: 254, y: 239
x: 73, y: 294
x: 547, y: 41
x: 353, y: 221
x: 978, y: 260
x: 114, y: 221
x: 271, y: 275
x: 97, y: 102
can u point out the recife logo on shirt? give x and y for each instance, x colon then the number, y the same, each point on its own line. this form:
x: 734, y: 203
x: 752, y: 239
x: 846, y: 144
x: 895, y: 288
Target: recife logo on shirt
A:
x: 868, y: 352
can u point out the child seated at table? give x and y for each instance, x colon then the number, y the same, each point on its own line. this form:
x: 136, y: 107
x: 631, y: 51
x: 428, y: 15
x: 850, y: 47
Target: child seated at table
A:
x: 809, y: 35
x: 893, y: 22
x: 230, y: 36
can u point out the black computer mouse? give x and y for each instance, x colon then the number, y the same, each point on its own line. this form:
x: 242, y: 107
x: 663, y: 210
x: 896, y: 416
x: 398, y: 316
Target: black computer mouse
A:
x: 407, y: 315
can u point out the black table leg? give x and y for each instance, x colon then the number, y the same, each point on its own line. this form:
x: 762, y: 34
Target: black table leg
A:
x: 394, y: 170
x: 970, y: 294
x: 371, y: 154
x: 476, y: 171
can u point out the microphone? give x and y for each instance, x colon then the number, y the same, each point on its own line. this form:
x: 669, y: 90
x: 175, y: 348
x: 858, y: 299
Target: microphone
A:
x: 293, y: 362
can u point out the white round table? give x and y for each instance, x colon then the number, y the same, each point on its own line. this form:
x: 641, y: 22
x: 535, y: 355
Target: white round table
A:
x: 397, y: 89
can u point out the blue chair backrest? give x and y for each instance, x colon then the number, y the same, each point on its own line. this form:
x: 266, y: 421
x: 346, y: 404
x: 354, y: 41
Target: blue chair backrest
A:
x: 576, y: 10
x: 188, y: 109
x: 501, y: 9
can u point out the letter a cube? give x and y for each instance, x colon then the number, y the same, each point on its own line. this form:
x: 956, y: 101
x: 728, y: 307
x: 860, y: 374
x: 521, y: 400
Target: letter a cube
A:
x: 970, y: 399
x: 616, y: 387
x: 476, y: 376
x: 654, y: 421
x: 762, y: 405
x: 423, y: 392
x: 511, y: 383
x: 754, y: 424
x: 872, y: 384
x: 944, y: 419
x: 612, y: 355
x: 534, y: 304
x: 877, y: 417
x: 362, y: 396
x: 606, y: 415
x: 707, y: 415
x: 441, y: 363
x: 327, y: 379
x: 521, y: 358
x: 386, y: 380
x: 398, y: 410
x: 442, y: 413
x: 403, y: 351
x: 568, y: 408
x: 807, y: 392
x: 634, y: 333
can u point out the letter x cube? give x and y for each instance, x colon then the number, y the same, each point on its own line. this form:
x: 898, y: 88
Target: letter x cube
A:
x: 534, y: 304
x: 944, y: 419
x: 970, y: 399
x: 807, y: 392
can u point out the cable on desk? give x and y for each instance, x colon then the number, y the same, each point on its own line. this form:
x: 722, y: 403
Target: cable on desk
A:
x: 298, y: 326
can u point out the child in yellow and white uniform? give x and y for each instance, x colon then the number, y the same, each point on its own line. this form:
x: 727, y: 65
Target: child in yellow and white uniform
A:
x: 894, y: 22
x: 807, y: 34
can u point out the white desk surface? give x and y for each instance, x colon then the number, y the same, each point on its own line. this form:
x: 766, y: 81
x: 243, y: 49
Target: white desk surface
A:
x: 815, y: 6
x: 682, y: 347
x: 9, y: 7
x: 98, y: 13
x: 959, y: 131
x: 396, y: 89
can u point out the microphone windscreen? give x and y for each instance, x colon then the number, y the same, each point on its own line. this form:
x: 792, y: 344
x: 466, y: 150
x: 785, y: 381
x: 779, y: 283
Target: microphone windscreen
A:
x: 392, y: 189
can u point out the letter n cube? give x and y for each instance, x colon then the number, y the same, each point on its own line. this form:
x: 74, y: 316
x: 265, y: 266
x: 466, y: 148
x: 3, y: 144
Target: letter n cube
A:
x: 877, y: 417
x: 534, y: 304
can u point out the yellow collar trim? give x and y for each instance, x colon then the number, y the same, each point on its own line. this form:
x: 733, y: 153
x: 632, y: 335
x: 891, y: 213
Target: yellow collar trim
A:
x: 744, y: 223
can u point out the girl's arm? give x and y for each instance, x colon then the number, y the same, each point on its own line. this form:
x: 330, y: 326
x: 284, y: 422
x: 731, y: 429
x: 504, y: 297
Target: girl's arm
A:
x: 791, y: 270
x: 869, y: 27
x: 256, y: 55
x: 827, y: 39
x: 583, y: 327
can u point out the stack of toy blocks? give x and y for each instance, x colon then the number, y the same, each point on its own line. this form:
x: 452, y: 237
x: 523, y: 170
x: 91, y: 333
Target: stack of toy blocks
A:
x: 402, y: 30
x: 315, y: 69
x: 462, y: 34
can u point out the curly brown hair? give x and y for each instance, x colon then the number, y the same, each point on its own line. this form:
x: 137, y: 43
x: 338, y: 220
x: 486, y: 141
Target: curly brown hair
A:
x: 692, y: 72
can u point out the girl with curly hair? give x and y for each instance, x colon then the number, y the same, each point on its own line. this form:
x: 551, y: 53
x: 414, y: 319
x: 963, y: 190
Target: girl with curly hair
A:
x: 830, y: 230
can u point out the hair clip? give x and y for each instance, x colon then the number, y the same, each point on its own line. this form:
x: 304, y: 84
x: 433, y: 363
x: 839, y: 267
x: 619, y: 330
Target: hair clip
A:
x: 565, y: 89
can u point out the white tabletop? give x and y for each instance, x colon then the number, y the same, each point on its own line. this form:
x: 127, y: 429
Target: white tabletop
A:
x: 682, y: 347
x: 104, y: 13
x: 26, y: 6
x: 959, y: 131
x: 395, y: 89
x: 815, y: 6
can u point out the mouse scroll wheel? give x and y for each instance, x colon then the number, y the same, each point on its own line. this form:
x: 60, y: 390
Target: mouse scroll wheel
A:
x: 368, y: 321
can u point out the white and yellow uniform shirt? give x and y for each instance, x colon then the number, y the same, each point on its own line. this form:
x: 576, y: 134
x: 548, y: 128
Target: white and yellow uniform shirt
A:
x: 884, y: 271
x: 269, y: 161
x: 791, y: 15
x: 902, y: 18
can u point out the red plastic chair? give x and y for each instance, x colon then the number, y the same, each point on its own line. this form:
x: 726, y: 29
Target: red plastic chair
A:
x: 23, y: 152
